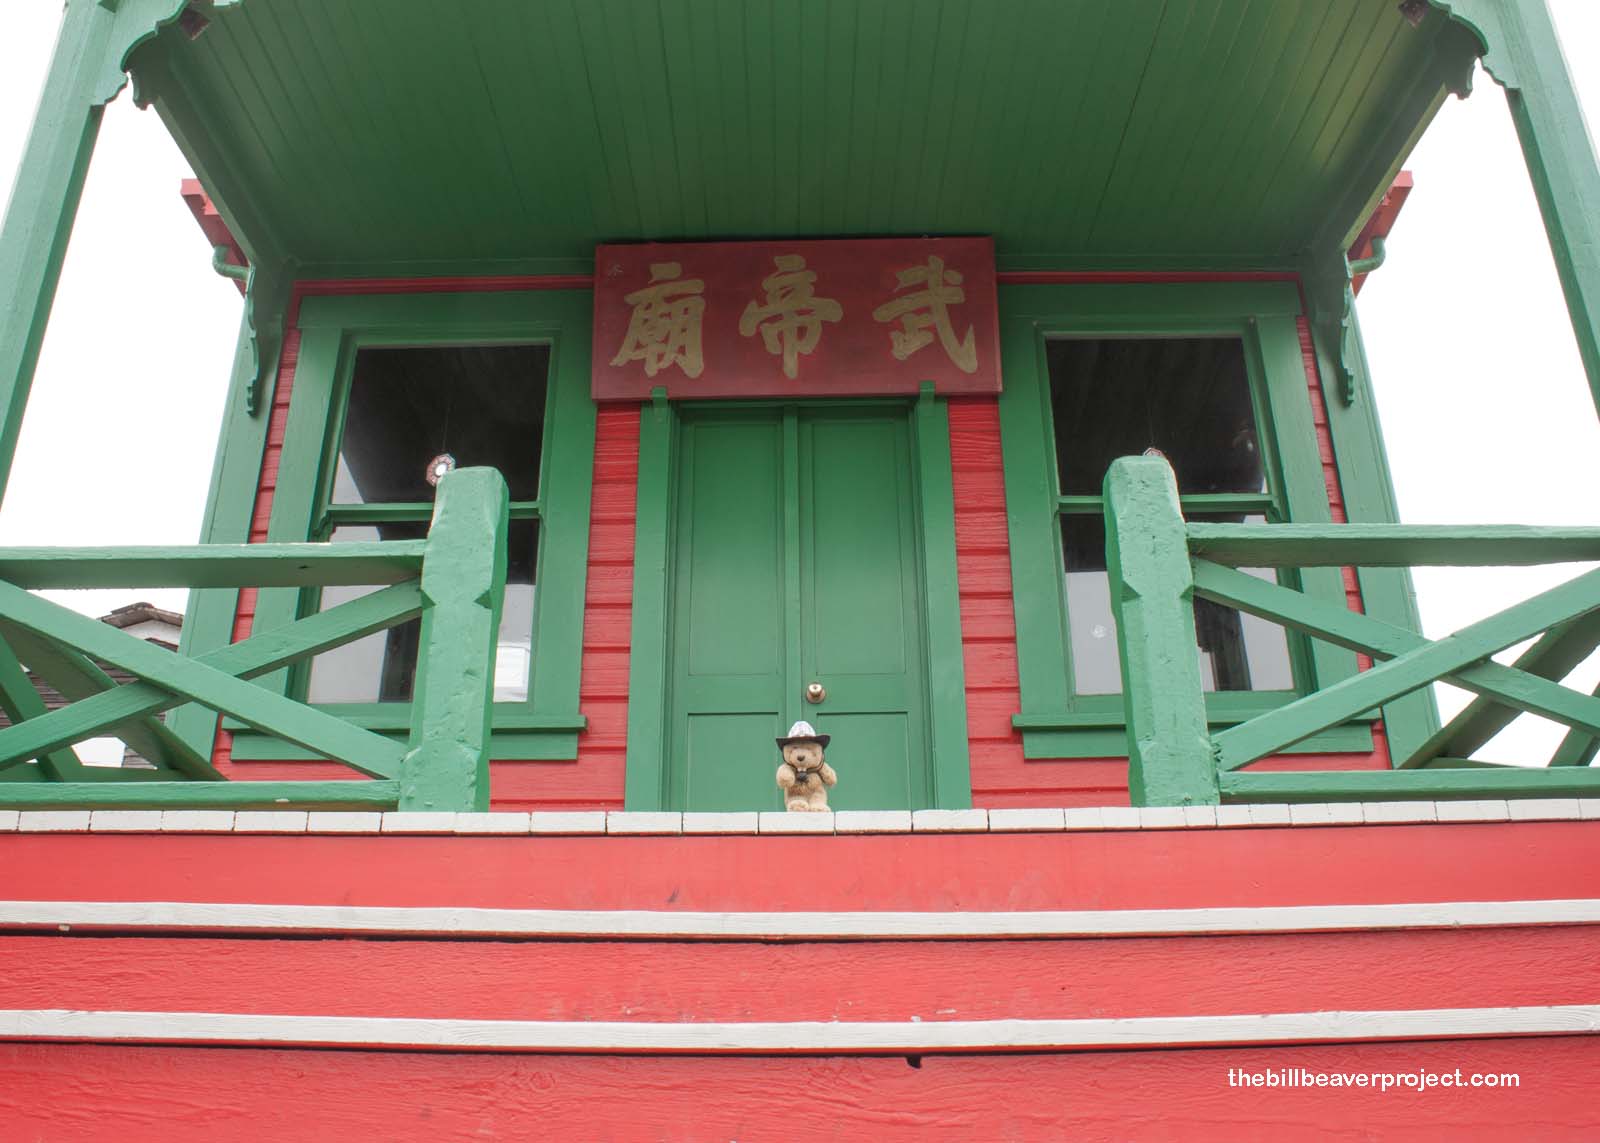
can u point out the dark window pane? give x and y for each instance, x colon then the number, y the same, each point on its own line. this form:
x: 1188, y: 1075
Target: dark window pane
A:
x: 382, y: 667
x: 1238, y: 652
x: 484, y: 405
x: 1187, y: 396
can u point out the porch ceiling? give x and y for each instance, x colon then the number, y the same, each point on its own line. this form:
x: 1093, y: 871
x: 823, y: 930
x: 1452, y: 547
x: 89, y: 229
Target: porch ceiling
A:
x: 354, y: 137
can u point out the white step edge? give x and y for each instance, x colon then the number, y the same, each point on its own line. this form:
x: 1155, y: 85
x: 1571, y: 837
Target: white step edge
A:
x: 643, y: 823
x: 464, y: 921
x: 794, y: 1036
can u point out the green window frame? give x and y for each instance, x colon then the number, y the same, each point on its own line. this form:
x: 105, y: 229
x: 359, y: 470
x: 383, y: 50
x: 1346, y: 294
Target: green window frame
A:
x: 1055, y: 721
x: 544, y: 726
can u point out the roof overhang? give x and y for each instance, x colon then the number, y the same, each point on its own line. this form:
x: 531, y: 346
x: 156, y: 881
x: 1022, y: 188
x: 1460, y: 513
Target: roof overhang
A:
x: 512, y: 136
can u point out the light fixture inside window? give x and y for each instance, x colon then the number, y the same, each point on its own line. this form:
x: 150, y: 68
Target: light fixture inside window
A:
x: 440, y: 467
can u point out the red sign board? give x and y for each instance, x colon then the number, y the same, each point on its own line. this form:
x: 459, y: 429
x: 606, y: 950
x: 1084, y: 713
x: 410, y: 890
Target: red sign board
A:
x: 846, y: 317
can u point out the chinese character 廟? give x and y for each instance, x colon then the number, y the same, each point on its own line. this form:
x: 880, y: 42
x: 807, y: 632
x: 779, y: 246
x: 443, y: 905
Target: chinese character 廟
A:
x: 665, y: 327
x: 791, y: 320
x: 926, y: 312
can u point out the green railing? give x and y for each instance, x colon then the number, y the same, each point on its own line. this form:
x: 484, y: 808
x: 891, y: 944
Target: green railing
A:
x: 1158, y: 565
x: 454, y: 581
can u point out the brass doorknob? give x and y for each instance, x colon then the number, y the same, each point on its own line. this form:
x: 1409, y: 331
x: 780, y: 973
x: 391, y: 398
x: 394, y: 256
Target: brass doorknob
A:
x: 815, y: 692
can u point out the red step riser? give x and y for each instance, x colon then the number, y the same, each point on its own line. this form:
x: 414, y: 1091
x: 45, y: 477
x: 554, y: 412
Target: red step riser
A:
x: 68, y: 1092
x: 994, y: 872
x: 868, y: 980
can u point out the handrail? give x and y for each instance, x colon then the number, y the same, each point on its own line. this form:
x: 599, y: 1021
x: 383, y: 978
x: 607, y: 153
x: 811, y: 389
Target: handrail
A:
x: 1158, y: 565
x: 453, y: 581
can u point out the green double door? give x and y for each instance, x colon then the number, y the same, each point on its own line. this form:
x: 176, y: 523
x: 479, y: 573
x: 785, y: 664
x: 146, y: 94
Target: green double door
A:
x: 796, y: 560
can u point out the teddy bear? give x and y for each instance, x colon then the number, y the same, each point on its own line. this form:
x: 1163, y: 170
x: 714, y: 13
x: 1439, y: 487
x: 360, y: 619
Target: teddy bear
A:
x: 804, y: 777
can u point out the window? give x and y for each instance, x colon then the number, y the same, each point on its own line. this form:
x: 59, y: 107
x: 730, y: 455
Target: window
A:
x: 1210, y: 375
x: 383, y: 384
x: 1190, y: 399
x: 482, y: 405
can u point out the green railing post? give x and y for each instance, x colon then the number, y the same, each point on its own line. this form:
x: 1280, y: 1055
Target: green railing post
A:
x: 1152, y: 584
x: 463, y: 582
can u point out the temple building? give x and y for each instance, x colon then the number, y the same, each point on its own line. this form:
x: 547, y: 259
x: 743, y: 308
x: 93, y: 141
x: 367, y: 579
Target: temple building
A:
x: 973, y: 393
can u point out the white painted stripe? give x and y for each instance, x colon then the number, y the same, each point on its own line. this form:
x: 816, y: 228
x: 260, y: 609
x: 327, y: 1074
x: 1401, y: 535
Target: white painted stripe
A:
x: 640, y: 924
x: 797, y: 1036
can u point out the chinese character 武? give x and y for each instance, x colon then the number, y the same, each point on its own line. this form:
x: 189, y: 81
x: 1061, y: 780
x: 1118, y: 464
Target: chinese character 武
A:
x: 665, y: 327
x: 926, y: 312
x: 791, y: 319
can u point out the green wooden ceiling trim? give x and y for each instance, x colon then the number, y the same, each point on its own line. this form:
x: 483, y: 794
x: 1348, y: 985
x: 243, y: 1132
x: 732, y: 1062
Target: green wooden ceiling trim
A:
x: 357, y: 139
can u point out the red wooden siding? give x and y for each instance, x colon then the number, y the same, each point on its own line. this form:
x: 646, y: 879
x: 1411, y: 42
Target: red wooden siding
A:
x: 595, y: 781
x: 1000, y: 776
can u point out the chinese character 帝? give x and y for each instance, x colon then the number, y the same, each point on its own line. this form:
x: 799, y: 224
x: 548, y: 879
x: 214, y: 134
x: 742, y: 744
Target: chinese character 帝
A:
x: 791, y: 320
x: 665, y: 327
x: 926, y: 312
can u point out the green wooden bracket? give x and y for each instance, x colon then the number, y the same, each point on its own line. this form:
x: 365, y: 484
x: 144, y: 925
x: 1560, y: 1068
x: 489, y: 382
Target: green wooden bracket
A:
x: 463, y: 583
x: 1170, y: 759
x: 1522, y: 52
x: 1330, y: 306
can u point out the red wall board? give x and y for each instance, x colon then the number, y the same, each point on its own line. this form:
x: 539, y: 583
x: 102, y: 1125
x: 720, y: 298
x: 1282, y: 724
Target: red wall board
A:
x: 1070, y: 870
x: 666, y: 981
x: 68, y: 1092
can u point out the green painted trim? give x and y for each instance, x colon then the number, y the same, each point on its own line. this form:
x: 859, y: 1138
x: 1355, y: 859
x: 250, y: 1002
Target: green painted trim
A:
x: 21, y: 702
x: 1386, y: 593
x: 648, y: 669
x: 1305, y: 490
x: 250, y: 745
x: 1523, y: 53
x: 230, y: 501
x: 1112, y: 742
x: 1404, y: 785
x: 213, y: 565
x: 463, y: 589
x: 1553, y: 656
x: 76, y: 677
x: 947, y: 685
x: 1392, y: 545
x: 254, y: 656
x: 86, y: 72
x: 129, y: 795
x: 1169, y: 746
x: 197, y: 680
x: 1417, y: 663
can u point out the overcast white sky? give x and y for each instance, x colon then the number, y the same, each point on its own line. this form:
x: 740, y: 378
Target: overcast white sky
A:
x: 1487, y: 415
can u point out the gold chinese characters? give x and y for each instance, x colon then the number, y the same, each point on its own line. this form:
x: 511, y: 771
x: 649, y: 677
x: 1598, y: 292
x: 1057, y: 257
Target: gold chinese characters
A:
x: 791, y: 319
x: 666, y: 325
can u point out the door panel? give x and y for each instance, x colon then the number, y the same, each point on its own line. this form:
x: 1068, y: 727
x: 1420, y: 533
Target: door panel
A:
x: 861, y: 630
x: 796, y: 560
x: 728, y: 613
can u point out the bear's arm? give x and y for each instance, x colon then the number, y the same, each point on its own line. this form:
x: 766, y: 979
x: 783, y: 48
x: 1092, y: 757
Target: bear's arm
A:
x: 786, y: 776
x: 828, y: 775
